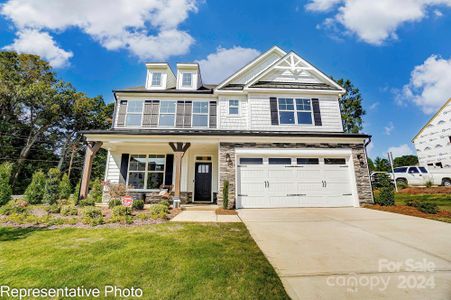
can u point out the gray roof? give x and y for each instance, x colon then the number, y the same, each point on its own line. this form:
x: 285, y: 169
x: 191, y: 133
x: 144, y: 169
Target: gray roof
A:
x: 217, y: 132
x: 204, y: 89
x: 233, y: 87
x: 293, y: 85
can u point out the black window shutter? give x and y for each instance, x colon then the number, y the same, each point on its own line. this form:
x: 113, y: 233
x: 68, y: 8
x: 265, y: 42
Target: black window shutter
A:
x: 124, y: 168
x: 122, y: 111
x: 212, y: 114
x: 169, y: 169
x: 316, y: 112
x: 274, y: 111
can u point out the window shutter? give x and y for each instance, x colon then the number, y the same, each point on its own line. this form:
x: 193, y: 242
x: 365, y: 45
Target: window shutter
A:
x: 316, y: 112
x: 180, y: 112
x: 212, y: 114
x: 169, y: 169
x: 188, y: 111
x: 121, y: 113
x: 147, y: 115
x: 155, y: 113
x: 124, y: 168
x: 274, y: 111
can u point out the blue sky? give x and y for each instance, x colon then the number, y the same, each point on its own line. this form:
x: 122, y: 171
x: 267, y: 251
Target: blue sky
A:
x: 397, y: 52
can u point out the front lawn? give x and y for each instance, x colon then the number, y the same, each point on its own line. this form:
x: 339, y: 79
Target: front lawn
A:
x: 442, y: 200
x: 168, y: 261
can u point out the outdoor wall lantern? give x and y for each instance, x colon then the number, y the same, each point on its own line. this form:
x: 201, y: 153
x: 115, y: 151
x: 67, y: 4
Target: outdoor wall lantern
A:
x: 228, y: 160
x: 361, y: 160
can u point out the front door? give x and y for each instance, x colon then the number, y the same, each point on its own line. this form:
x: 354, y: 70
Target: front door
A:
x: 202, y: 182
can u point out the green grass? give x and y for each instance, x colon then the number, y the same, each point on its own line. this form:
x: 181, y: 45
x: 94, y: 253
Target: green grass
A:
x: 442, y: 200
x: 168, y: 261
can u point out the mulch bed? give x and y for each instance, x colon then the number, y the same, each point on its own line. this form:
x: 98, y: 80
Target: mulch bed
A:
x: 227, y: 212
x: 412, y: 211
x: 426, y: 190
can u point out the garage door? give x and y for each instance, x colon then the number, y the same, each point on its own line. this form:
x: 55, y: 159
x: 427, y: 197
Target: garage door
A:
x: 294, y: 182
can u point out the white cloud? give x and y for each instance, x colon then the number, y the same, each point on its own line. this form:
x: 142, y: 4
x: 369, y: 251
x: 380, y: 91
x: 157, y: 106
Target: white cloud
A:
x: 389, y: 128
x: 42, y: 44
x: 373, y: 105
x: 224, y: 62
x: 401, y: 150
x: 146, y: 28
x: 374, y: 21
x: 430, y: 84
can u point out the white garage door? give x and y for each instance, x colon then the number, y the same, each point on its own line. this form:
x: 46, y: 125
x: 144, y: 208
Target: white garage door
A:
x: 294, y: 182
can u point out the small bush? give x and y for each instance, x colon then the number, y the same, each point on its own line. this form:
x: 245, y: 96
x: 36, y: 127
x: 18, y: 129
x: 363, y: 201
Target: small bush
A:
x: 87, y: 202
x: 225, y: 195
x: 69, y: 210
x: 92, y: 216
x: 14, y: 207
x: 119, y: 211
x: 5, y: 187
x: 413, y: 203
x: 142, y: 216
x: 65, y: 188
x: 165, y: 203
x: 76, y: 193
x: 35, y: 190
x: 429, y: 183
x: 158, y: 211
x: 96, y: 191
x: 386, y: 196
x: 428, y: 207
x: 53, y: 209
x: 51, y: 191
x: 114, y: 202
x: 116, y: 191
x: 138, y: 204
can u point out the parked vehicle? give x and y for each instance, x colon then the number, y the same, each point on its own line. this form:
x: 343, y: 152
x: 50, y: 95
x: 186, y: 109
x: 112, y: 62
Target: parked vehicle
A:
x: 417, y: 175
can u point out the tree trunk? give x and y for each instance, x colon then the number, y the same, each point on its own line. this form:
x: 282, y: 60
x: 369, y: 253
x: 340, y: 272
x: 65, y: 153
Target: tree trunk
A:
x: 74, y: 149
x: 64, y: 151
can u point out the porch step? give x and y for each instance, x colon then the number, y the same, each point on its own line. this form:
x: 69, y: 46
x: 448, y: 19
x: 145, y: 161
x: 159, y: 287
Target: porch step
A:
x: 200, y: 207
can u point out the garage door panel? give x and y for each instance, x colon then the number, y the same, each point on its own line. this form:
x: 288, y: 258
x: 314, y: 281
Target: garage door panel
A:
x: 284, y: 201
x: 254, y: 202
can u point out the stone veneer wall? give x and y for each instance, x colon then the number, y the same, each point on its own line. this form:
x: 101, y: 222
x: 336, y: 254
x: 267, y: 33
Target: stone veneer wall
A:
x: 227, y: 167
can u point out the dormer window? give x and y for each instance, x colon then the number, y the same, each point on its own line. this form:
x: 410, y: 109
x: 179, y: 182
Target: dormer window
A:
x: 187, y: 79
x: 156, y: 79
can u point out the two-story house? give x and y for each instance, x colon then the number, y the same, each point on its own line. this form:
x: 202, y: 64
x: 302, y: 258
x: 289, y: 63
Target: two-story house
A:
x: 272, y: 131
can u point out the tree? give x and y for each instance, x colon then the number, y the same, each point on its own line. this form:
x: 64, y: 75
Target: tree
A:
x: 35, y: 190
x: 382, y: 164
x: 371, y: 166
x: 351, y: 108
x: 5, y: 187
x: 405, y: 160
x: 386, y: 195
x: 51, y: 191
x: 65, y: 188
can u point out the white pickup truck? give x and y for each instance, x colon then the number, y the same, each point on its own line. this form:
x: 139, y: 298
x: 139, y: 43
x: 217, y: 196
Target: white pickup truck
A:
x: 415, y: 175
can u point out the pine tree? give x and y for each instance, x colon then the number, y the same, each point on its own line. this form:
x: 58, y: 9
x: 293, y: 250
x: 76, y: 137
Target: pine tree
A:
x: 35, y: 190
x: 51, y: 192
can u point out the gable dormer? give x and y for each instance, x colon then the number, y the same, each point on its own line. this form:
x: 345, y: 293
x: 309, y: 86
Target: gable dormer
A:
x: 159, y: 76
x: 188, y: 76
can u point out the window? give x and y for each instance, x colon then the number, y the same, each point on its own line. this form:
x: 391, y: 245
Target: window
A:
x: 146, y: 171
x: 295, y: 111
x: 251, y: 161
x: 200, y: 114
x: 279, y: 161
x: 187, y: 79
x: 413, y: 170
x: 335, y: 161
x: 439, y: 164
x: 167, y: 114
x: 423, y: 170
x: 308, y: 161
x: 156, y: 79
x: 234, y: 107
x: 400, y: 170
x: 134, y: 113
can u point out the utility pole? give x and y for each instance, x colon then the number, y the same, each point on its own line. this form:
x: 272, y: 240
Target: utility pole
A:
x: 390, y: 159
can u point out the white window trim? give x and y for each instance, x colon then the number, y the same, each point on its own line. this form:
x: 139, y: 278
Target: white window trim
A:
x: 295, y: 111
x: 161, y: 79
x: 146, y: 172
x: 134, y: 113
x: 239, y: 108
x: 191, y: 84
x: 200, y: 114
x: 174, y: 113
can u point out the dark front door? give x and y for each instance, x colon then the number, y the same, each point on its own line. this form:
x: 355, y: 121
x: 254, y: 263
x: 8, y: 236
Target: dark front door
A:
x: 202, y: 182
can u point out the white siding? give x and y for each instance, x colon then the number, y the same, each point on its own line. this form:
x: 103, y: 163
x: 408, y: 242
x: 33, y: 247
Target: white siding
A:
x: 112, y: 171
x: 260, y: 114
x: 249, y: 74
x: 234, y: 122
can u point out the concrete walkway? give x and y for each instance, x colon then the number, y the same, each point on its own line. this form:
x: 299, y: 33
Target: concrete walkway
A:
x: 203, y: 213
x: 354, y: 253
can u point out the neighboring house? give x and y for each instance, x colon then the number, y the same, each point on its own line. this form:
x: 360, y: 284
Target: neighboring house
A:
x: 273, y: 130
x: 433, y: 142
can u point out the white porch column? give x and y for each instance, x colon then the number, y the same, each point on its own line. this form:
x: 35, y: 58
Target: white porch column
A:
x: 179, y: 151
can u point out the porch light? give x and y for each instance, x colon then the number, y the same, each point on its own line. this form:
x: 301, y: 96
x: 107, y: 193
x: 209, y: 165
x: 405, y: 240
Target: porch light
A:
x: 228, y: 160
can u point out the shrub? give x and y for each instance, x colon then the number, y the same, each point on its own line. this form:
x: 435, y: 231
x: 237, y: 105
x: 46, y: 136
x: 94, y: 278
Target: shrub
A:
x: 96, y: 191
x: 142, y: 216
x: 165, y: 203
x: 65, y: 188
x: 428, y: 207
x: 76, y: 193
x: 114, y: 202
x: 386, y: 196
x: 138, y: 204
x: 69, y: 210
x: 92, y: 216
x: 53, y: 209
x: 429, y: 183
x: 225, y: 195
x: 5, y: 187
x: 87, y: 202
x: 413, y: 203
x: 116, y: 191
x: 158, y: 211
x: 51, y: 191
x: 119, y: 211
x: 35, y: 190
x: 14, y: 207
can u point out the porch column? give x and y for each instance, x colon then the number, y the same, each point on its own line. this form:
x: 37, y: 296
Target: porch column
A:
x: 179, y: 151
x: 91, y: 150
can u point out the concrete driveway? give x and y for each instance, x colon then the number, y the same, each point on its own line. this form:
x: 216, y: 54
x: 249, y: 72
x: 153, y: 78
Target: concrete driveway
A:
x: 354, y: 253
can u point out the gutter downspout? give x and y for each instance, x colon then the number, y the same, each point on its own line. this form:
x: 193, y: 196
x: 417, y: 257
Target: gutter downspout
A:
x: 367, y: 142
